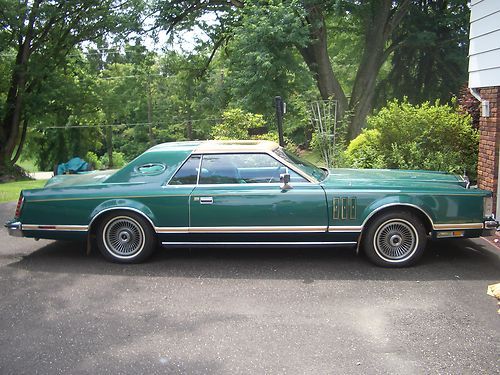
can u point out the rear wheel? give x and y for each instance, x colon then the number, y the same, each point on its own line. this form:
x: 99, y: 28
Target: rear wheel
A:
x: 125, y: 237
x: 395, y: 239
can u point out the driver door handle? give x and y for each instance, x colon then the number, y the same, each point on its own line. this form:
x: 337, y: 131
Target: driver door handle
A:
x: 206, y: 200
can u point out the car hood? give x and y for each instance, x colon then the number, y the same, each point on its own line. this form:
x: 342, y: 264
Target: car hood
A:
x: 390, y: 177
x: 86, y: 178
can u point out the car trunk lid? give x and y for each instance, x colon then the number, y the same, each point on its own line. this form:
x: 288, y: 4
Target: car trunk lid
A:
x: 86, y: 178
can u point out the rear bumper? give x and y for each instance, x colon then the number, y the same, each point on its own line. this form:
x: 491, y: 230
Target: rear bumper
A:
x: 15, y: 228
x: 490, y: 227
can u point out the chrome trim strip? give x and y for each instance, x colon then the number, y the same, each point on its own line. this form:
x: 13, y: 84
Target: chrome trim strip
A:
x: 251, y: 184
x: 261, y: 243
x: 396, y: 204
x: 243, y: 229
x: 345, y: 229
x: 62, y: 228
x: 171, y: 229
x: 121, y: 208
x: 458, y: 226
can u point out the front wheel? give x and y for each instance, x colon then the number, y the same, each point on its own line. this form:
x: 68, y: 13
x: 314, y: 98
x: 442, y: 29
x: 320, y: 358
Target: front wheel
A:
x: 125, y: 237
x: 395, y: 239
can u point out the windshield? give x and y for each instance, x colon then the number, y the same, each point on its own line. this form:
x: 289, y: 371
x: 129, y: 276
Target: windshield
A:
x: 303, y: 165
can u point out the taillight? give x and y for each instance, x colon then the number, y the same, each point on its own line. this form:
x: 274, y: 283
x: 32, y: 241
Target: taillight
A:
x: 19, y: 206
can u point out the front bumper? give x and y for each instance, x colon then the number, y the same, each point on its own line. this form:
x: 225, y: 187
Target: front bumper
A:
x: 15, y: 228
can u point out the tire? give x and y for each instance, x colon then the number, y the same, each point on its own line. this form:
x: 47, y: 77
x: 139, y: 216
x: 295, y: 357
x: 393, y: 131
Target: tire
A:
x: 395, y: 239
x: 125, y: 237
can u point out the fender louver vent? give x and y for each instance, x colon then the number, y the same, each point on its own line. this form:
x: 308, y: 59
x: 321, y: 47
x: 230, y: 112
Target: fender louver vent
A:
x: 344, y: 208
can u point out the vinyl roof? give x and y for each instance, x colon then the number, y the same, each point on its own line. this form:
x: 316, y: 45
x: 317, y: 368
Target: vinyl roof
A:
x: 201, y: 147
x: 235, y: 146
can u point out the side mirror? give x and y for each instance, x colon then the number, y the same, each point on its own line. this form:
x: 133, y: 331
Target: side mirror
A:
x: 285, y: 179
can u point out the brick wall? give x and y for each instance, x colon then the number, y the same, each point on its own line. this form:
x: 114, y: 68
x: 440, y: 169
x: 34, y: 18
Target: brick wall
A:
x: 489, y: 142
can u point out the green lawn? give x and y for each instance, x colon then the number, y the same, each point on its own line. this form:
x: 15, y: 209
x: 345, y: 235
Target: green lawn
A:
x: 9, y: 191
x: 28, y: 165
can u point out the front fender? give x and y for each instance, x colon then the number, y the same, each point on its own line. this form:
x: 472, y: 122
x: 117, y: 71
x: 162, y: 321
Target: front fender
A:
x: 123, y: 204
x: 394, y: 201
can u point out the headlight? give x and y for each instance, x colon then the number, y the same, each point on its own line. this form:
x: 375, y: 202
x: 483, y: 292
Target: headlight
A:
x: 487, y: 206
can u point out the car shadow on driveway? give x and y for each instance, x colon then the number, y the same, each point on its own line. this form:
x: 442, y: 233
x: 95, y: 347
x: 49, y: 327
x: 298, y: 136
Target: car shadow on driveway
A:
x: 443, y: 260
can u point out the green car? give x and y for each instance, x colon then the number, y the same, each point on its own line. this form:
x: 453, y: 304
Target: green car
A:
x: 252, y: 193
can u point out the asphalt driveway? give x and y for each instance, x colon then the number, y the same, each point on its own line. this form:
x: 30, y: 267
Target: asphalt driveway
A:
x: 251, y: 311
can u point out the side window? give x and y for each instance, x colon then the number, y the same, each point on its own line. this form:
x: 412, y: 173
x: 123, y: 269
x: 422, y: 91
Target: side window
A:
x: 188, y: 173
x: 243, y: 169
x: 219, y: 169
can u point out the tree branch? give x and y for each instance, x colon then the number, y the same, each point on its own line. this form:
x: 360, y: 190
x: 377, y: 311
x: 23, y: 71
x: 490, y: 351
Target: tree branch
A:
x: 216, y: 46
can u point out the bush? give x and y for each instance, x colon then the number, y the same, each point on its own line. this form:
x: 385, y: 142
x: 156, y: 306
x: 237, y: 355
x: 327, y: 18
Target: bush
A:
x: 404, y: 136
x: 93, y: 159
x: 118, y: 160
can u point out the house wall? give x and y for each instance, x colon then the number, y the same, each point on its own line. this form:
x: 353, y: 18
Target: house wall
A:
x: 484, y: 49
x: 484, y: 75
x: 489, y: 142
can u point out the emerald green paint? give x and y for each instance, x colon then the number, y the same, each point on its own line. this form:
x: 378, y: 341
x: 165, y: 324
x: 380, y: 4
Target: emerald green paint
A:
x: 77, y: 199
x: 251, y: 205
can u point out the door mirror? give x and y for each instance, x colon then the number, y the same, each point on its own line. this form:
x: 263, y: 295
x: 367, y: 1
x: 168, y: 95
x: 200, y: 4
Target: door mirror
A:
x: 285, y: 179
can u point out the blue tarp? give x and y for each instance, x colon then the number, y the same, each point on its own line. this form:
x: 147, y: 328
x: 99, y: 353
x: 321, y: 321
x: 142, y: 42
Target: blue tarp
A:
x: 74, y: 165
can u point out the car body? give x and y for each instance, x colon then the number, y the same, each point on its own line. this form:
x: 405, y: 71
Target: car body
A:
x: 252, y: 193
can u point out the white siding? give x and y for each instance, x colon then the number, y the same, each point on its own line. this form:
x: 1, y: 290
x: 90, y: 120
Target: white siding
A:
x: 484, y: 50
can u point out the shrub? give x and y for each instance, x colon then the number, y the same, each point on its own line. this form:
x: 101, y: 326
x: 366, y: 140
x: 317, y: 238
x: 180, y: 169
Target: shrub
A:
x: 404, y: 136
x: 118, y: 160
x: 93, y: 159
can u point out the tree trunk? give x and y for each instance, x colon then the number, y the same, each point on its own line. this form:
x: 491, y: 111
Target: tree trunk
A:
x: 20, y: 144
x: 9, y: 128
x: 379, y: 25
x: 316, y: 57
x: 150, y: 116
x: 109, y: 145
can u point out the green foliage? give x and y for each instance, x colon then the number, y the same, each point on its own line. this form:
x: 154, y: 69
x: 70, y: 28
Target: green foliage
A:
x: 364, y: 150
x: 249, y: 55
x: 430, y: 137
x: 118, y: 160
x: 93, y: 159
x: 432, y: 62
x: 263, y: 62
x: 237, y: 124
x: 42, y: 36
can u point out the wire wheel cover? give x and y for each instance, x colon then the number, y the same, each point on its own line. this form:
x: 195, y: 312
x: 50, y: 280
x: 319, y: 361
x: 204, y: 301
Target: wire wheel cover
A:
x: 123, y: 236
x: 395, y: 240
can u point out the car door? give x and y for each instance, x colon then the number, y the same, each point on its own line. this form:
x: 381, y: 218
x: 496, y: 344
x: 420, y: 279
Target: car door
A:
x: 239, y: 198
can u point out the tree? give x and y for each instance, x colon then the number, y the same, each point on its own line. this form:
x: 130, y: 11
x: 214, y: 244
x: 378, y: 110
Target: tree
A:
x: 378, y: 20
x: 40, y: 34
x: 431, y: 64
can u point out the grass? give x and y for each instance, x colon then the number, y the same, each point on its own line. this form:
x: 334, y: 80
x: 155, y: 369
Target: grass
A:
x: 9, y: 191
x: 28, y: 165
